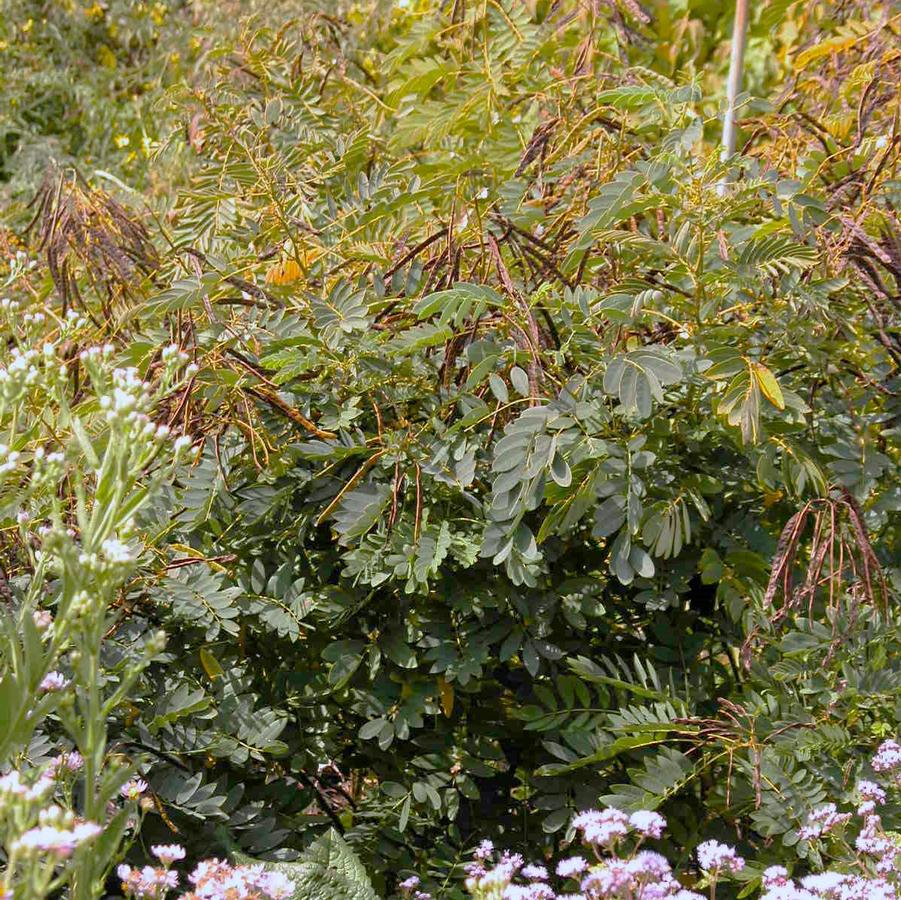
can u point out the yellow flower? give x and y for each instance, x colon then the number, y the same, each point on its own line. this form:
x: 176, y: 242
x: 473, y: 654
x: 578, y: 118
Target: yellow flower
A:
x: 121, y: 141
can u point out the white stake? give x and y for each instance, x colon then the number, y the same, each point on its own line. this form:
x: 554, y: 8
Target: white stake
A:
x: 733, y: 86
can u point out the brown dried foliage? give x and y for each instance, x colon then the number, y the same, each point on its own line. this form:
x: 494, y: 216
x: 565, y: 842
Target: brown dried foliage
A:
x: 839, y: 560
x: 85, y: 234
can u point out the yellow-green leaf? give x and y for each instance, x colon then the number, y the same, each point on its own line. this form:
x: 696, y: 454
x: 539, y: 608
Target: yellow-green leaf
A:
x: 769, y: 385
x: 210, y: 664
x: 446, y: 691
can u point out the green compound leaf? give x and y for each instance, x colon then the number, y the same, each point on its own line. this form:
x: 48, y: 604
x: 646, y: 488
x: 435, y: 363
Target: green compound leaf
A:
x: 329, y: 870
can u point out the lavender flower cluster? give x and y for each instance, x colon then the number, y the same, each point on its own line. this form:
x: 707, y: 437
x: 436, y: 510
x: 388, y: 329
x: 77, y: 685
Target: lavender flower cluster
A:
x: 639, y: 874
x: 211, y: 879
x: 617, y: 866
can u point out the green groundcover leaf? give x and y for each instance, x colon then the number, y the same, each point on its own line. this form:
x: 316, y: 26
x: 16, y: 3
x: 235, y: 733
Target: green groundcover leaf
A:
x: 328, y: 870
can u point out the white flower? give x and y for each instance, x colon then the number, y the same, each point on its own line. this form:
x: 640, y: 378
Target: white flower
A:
x: 116, y: 552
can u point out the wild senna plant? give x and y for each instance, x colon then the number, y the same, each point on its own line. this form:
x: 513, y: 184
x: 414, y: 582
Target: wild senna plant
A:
x: 77, y: 476
x: 616, y: 865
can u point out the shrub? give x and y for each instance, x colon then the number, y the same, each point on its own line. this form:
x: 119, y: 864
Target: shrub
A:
x: 540, y: 455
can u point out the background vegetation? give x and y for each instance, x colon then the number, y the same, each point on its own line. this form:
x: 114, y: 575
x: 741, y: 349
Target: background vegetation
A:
x: 538, y: 455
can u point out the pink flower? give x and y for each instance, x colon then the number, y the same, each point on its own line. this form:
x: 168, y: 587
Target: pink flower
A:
x: 788, y: 891
x: 70, y: 761
x: 214, y: 879
x: 716, y: 857
x: 602, y: 828
x: 569, y: 868
x: 85, y: 831
x: 534, y: 873
x: 12, y: 783
x: 53, y: 682
x: 823, y: 883
x: 275, y: 885
x: 209, y: 870
x: 647, y: 823
x: 775, y: 876
x: 888, y: 757
x: 882, y: 849
x: 133, y: 789
x: 648, y: 863
x: 511, y: 861
x: 871, y: 791
x: 536, y: 891
x: 821, y: 821
x: 59, y: 842
x: 657, y: 890
x: 609, y: 879
x: 168, y: 853
x: 483, y: 851
x: 147, y: 883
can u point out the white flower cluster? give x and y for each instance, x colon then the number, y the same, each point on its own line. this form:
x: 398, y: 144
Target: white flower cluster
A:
x: 47, y: 468
x: 127, y: 401
x: 73, y: 322
x: 9, y: 459
x: 58, y: 833
x: 20, y: 373
x: 12, y: 786
x: 19, y: 265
